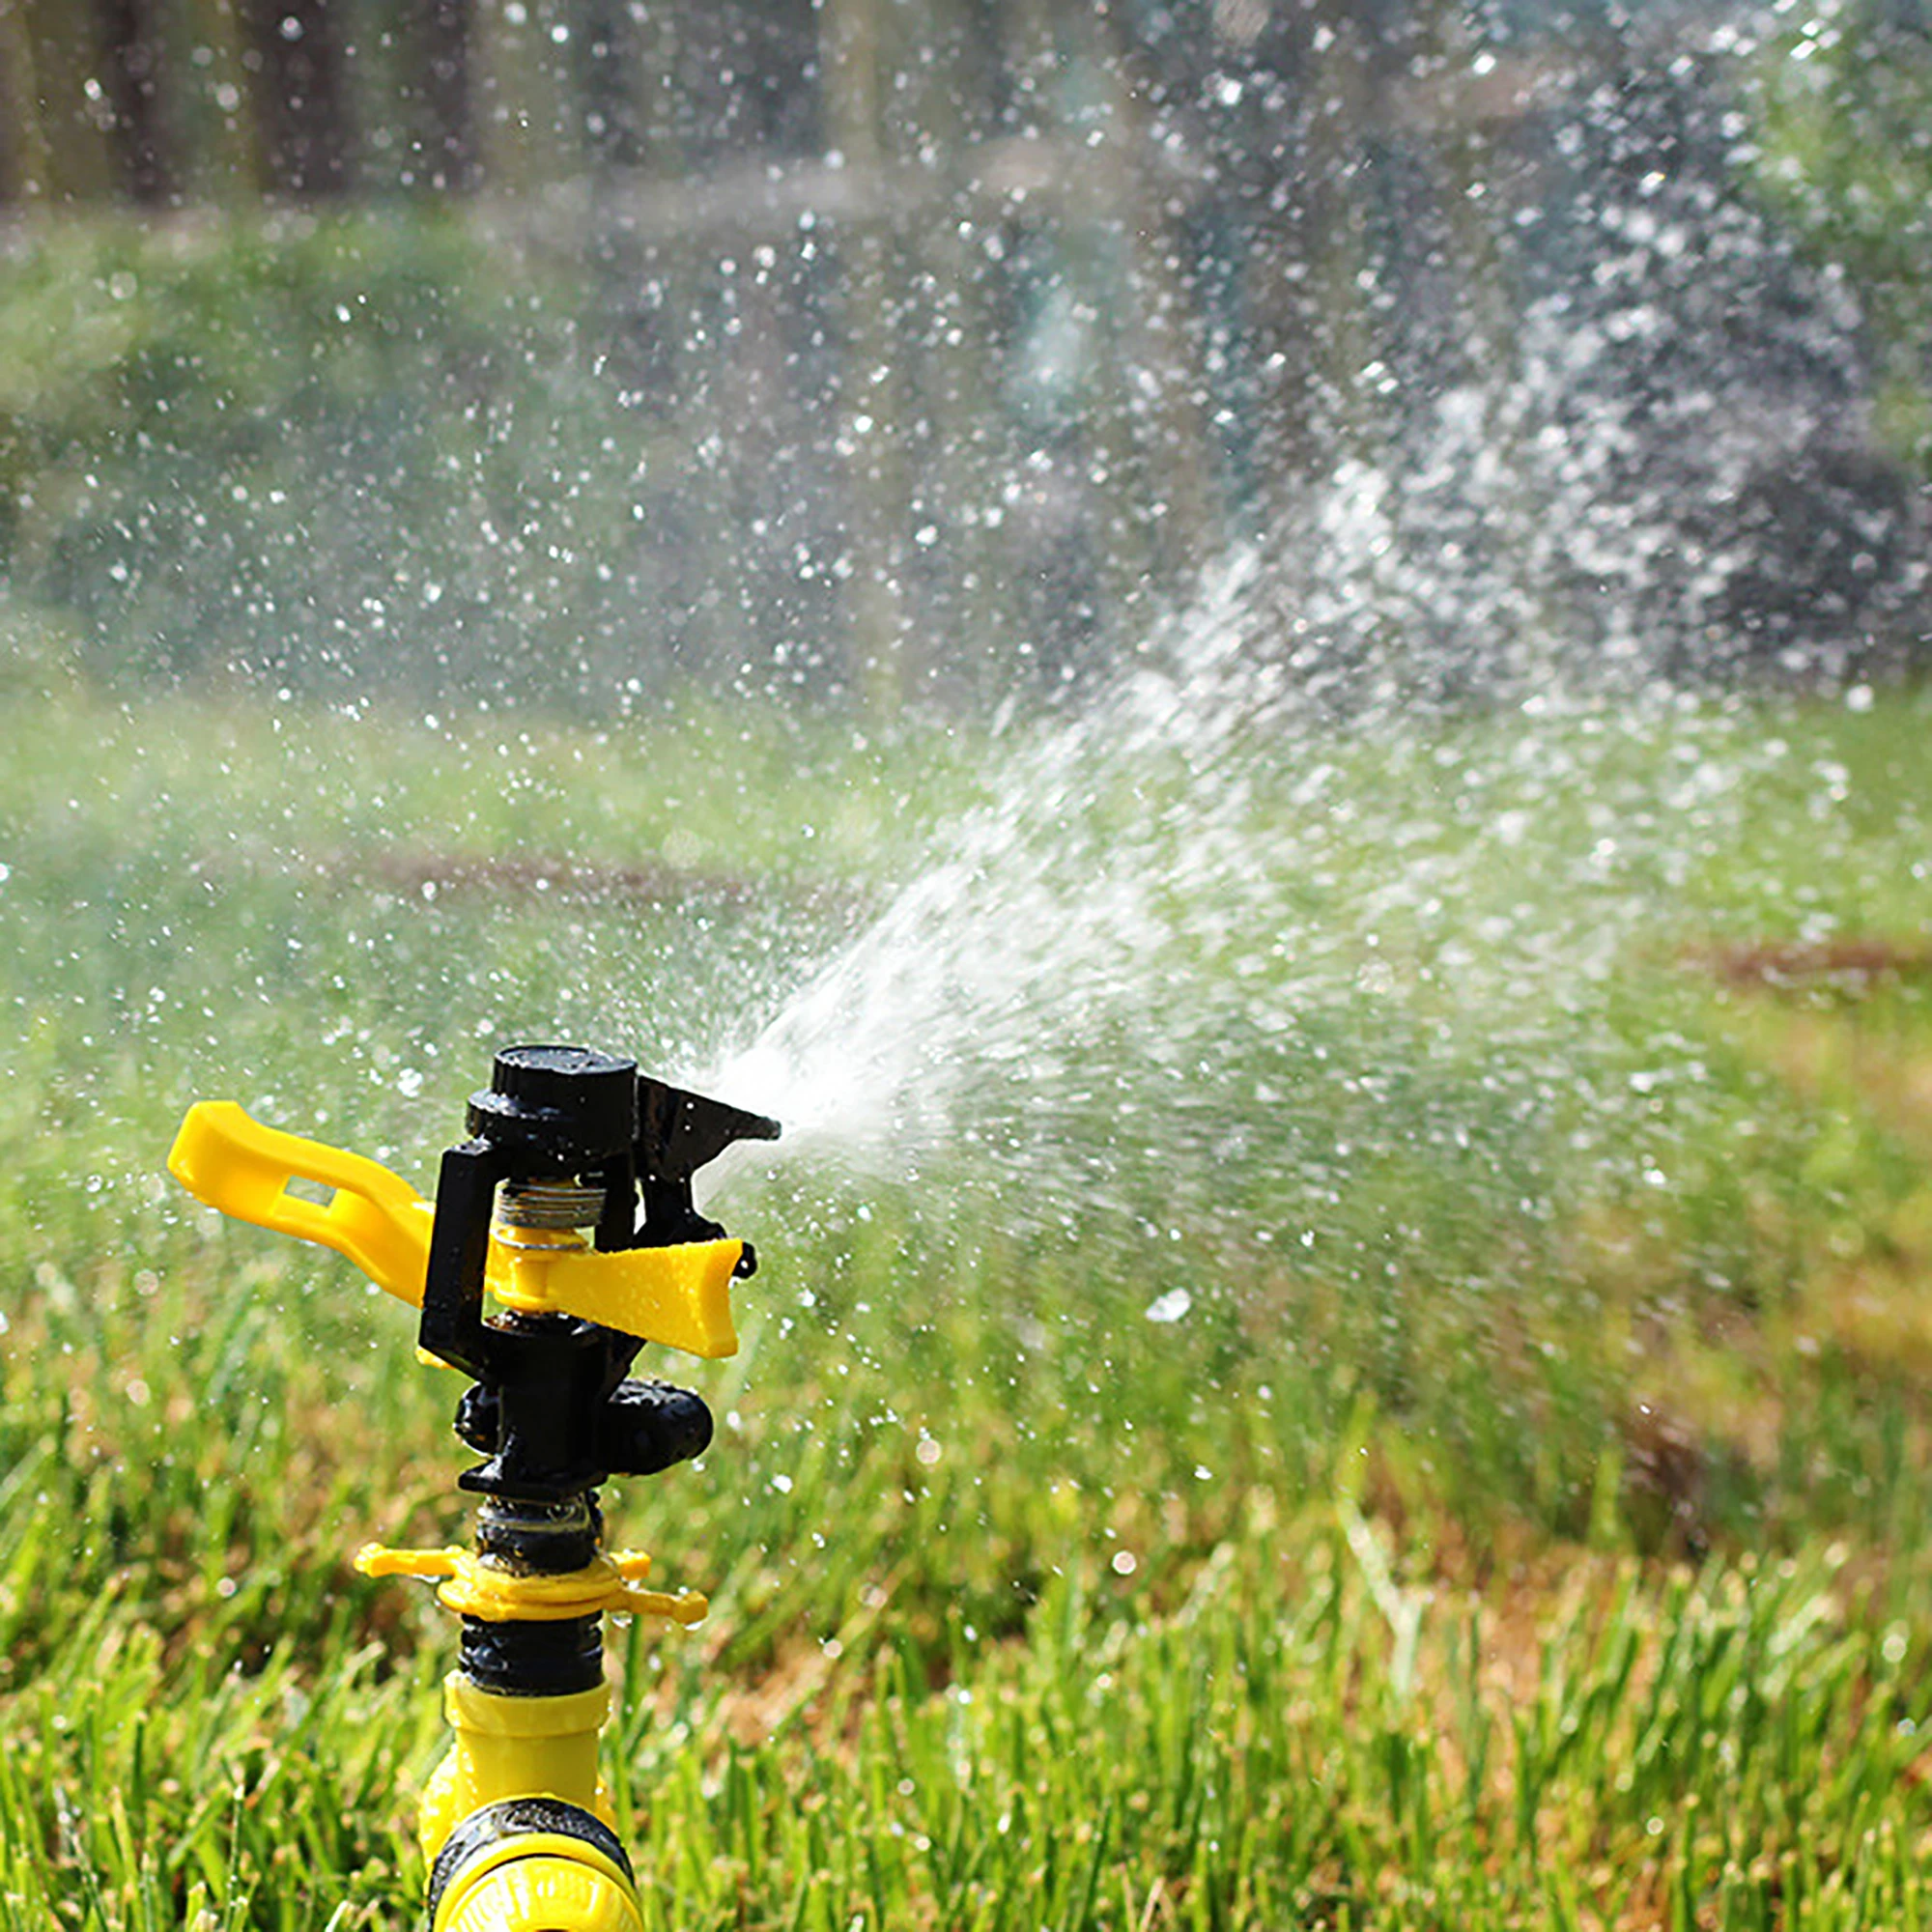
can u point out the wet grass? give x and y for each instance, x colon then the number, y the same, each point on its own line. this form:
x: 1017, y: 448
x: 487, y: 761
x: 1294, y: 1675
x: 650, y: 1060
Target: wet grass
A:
x: 1567, y: 1572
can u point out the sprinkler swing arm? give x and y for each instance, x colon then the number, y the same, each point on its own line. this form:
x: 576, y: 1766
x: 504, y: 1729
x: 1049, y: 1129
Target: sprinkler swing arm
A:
x: 515, y: 1822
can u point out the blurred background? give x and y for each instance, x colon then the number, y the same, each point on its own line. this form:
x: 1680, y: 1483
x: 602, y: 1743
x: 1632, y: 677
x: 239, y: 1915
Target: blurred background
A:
x: 1262, y: 663
x: 878, y: 350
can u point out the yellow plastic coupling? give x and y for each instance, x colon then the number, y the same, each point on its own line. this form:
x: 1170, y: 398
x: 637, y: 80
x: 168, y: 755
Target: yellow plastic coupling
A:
x: 475, y: 1587
x: 505, y: 1746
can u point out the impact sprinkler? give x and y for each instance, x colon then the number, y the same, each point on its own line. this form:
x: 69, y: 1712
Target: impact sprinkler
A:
x: 515, y: 1823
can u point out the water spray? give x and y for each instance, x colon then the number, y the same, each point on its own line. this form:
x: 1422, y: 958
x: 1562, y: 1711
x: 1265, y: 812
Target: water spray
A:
x: 563, y: 1237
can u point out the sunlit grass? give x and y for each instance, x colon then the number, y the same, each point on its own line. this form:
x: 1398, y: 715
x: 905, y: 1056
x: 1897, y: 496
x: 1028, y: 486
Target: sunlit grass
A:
x: 1567, y: 1573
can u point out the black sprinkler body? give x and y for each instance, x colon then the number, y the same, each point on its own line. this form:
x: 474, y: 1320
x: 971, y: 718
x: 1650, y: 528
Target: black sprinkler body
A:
x: 567, y: 1137
x: 563, y: 1237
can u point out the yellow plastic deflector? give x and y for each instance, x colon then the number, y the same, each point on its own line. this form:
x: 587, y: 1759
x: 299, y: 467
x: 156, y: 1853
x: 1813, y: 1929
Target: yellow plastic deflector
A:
x: 679, y: 1295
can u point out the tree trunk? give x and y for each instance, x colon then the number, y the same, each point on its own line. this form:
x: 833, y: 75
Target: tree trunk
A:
x: 440, y: 38
x: 870, y: 384
x: 50, y: 45
x: 22, y: 147
x: 612, y: 63
x: 209, y: 112
x: 296, y: 53
x: 133, y: 50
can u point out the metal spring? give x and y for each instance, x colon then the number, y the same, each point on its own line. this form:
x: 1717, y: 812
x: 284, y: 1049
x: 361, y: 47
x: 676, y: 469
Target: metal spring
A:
x: 549, y: 1204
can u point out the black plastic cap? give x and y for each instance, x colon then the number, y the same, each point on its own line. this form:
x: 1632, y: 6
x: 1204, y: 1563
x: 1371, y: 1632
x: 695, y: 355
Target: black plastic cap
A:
x: 569, y: 1102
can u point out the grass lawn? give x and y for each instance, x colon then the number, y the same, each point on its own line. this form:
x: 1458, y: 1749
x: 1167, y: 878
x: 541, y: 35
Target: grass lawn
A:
x: 1536, y: 1544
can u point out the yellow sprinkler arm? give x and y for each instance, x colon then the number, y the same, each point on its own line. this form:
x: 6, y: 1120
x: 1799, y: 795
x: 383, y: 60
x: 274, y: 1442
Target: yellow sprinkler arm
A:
x: 376, y: 1218
x: 679, y: 1295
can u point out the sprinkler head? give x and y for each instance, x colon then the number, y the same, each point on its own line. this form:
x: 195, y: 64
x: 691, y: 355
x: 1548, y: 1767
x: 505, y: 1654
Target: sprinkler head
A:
x: 567, y: 1138
x: 564, y: 1140
x: 566, y: 1104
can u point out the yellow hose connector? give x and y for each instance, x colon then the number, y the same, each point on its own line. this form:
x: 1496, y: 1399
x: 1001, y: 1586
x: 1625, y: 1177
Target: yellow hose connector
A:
x: 513, y: 1748
x: 533, y: 1865
x: 542, y: 1885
